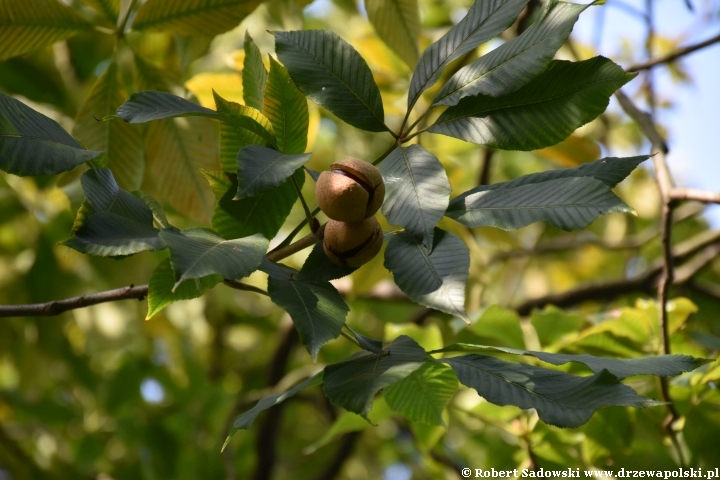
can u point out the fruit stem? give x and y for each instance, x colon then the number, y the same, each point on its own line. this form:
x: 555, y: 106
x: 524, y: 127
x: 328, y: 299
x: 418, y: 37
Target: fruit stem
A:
x: 305, y: 242
x: 350, y: 337
x: 314, y: 224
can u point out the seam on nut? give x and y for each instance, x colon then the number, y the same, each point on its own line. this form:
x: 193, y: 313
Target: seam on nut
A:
x: 354, y: 251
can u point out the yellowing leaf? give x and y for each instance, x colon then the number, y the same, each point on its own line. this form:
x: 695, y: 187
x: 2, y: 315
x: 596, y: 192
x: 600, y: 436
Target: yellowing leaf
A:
x: 398, y: 23
x: 571, y: 152
x: 227, y: 85
x: 27, y: 25
x: 193, y: 17
x: 122, y: 141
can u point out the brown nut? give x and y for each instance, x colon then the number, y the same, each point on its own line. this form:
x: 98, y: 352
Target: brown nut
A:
x: 352, y: 244
x: 351, y: 191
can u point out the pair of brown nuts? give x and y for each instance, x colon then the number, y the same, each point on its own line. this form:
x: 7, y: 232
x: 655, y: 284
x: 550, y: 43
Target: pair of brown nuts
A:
x: 350, y: 194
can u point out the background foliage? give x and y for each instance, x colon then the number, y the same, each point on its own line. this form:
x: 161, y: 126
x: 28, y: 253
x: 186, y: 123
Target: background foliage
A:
x: 98, y: 393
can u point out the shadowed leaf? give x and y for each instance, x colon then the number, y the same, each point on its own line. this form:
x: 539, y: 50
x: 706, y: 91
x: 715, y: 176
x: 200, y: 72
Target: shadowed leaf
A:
x: 560, y: 399
x: 542, y: 113
x: 160, y: 288
x: 435, y: 279
x: 193, y: 17
x: 33, y: 144
x: 28, y: 25
x: 331, y: 73
x: 353, y: 383
x: 198, y: 252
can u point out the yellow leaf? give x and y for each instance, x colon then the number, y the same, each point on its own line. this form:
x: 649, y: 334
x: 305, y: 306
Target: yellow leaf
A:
x: 571, y: 152
x: 227, y: 85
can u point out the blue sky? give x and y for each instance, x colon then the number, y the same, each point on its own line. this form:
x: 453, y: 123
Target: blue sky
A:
x: 692, y: 123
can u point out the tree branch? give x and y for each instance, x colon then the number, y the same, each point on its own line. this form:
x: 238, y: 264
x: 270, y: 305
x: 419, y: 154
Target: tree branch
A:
x: 267, y: 431
x: 56, y: 307
x: 344, y: 451
x: 645, y: 283
x: 569, y: 243
x: 674, y: 55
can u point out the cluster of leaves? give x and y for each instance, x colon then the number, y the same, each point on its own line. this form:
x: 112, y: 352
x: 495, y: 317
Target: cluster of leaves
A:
x: 515, y: 98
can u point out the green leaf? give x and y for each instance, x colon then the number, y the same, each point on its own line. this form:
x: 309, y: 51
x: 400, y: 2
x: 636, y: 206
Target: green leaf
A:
x: 423, y: 395
x: 515, y: 63
x: 542, y: 113
x: 366, y: 343
x: 110, y: 8
x: 498, y: 324
x: 28, y: 25
x: 319, y: 266
x: 436, y: 279
x: 261, y: 168
x: 264, y: 213
x: 161, y: 293
x: 246, y: 420
x: 560, y: 399
x: 108, y: 234
x: 104, y: 194
x: 658, y: 365
x: 242, y: 117
x: 610, y: 171
x: 158, y: 212
x: 353, y: 383
x: 254, y: 75
x: 397, y: 22
x: 417, y: 191
x: 193, y: 17
x: 198, y: 252
x: 566, y: 203
x: 315, y: 306
x: 484, y: 20
x: 175, y: 151
x: 345, y: 423
x: 286, y: 108
x: 233, y: 137
x: 33, y: 144
x: 122, y: 142
x: 146, y: 106
x: 331, y: 73
x: 112, y: 222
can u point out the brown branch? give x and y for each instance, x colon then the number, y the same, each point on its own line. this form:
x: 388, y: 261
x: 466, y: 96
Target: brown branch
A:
x: 645, y: 283
x: 678, y: 194
x: 344, y: 451
x: 56, y: 307
x: 267, y: 431
x: 570, y: 243
x: 674, y: 55
x: 486, y: 166
x: 305, y: 242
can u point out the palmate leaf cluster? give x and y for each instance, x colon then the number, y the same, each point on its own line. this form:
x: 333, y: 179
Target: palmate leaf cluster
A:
x: 516, y: 97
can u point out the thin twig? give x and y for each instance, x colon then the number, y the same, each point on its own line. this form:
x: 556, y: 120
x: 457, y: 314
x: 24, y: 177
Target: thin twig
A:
x: 57, y: 307
x: 267, y: 432
x: 678, y: 194
x: 309, y: 216
x: 674, y: 55
x: 244, y: 287
x: 564, y: 244
x: 305, y: 242
x: 288, y: 240
x: 486, y: 166
x: 645, y: 283
x: 344, y: 451
x: 126, y: 17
